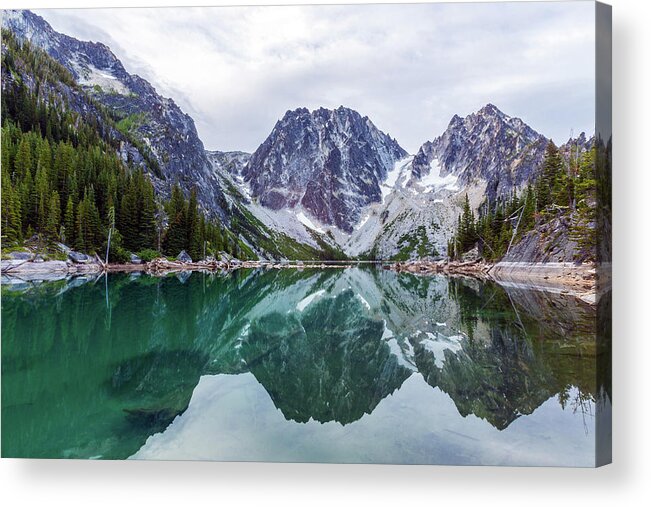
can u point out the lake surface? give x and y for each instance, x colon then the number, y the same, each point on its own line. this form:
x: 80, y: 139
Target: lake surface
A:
x: 355, y: 365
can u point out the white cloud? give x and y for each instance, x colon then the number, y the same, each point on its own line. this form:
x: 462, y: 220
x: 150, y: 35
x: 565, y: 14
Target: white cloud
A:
x: 409, y: 67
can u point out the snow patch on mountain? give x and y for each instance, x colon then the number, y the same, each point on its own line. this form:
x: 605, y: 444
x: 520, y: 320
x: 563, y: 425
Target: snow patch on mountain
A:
x: 308, y: 223
x: 91, y: 76
x: 393, y: 176
x: 434, y: 181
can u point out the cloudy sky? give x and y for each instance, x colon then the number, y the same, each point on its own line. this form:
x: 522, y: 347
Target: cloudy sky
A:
x: 410, y: 68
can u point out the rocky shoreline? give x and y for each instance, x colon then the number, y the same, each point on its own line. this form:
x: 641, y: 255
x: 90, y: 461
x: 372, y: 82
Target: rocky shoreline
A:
x: 566, y: 278
x: 579, y: 280
x: 43, y: 270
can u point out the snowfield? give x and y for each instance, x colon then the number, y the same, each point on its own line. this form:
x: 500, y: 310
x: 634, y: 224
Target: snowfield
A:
x: 393, y: 175
x: 434, y: 181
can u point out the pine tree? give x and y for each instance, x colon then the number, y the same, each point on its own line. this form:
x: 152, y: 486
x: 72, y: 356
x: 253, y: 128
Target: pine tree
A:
x: 467, y: 229
x: 549, y: 184
x: 11, y: 215
x: 88, y: 234
x: 128, y: 216
x: 147, y: 219
x: 529, y: 212
x: 176, y: 237
x: 42, y: 189
x: 54, y: 216
x: 69, y: 223
x: 23, y: 162
x: 195, y: 240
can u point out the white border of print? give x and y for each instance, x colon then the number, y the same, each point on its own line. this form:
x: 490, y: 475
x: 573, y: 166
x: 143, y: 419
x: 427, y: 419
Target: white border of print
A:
x: 41, y: 482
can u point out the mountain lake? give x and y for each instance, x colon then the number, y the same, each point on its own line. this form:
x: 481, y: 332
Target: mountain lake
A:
x: 357, y: 365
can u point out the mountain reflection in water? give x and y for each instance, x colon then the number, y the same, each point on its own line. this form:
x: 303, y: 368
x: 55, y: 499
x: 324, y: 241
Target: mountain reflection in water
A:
x: 355, y: 365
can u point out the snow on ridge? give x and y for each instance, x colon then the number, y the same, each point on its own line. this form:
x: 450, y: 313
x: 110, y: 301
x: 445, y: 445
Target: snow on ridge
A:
x: 243, y: 187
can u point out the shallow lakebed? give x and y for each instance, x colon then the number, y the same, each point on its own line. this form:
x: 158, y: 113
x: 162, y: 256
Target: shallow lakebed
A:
x: 353, y: 365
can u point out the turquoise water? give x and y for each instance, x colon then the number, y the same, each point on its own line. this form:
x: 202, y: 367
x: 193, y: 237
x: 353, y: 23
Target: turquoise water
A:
x: 355, y: 365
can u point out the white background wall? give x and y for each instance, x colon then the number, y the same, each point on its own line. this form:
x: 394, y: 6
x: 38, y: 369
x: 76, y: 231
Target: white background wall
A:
x: 626, y: 482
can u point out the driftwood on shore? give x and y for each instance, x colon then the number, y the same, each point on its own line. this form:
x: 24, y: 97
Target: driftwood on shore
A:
x: 162, y: 266
x: 472, y: 268
x: 159, y: 266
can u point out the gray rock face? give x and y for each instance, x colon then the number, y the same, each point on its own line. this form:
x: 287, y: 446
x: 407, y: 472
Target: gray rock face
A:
x: 229, y: 161
x: 550, y: 242
x: 167, y: 136
x: 330, y: 162
x: 487, y: 145
x: 135, y: 259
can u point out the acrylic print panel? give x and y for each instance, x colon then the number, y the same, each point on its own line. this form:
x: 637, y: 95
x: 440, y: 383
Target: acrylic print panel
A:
x: 342, y: 234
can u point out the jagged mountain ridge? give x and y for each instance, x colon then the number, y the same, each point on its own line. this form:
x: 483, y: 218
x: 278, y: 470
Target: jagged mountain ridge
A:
x: 487, y: 145
x: 329, y: 162
x: 322, y: 175
x: 165, y: 133
x: 413, y: 214
x: 485, y: 155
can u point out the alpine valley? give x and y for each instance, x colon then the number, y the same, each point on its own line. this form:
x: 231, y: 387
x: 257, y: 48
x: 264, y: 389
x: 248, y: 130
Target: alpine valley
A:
x: 324, y: 184
x: 329, y: 296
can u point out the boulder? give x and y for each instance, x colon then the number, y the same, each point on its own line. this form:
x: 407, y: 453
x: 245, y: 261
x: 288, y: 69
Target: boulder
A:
x: 21, y: 256
x: 224, y: 257
x: 38, y: 258
x: 184, y: 257
x: 63, y: 248
x: 135, y: 259
x: 40, y: 269
x: 471, y: 255
x: 79, y: 258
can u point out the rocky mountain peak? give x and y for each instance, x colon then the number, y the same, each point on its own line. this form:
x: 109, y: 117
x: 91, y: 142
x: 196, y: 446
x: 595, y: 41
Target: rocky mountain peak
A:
x: 486, y: 146
x: 491, y: 110
x: 331, y: 162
